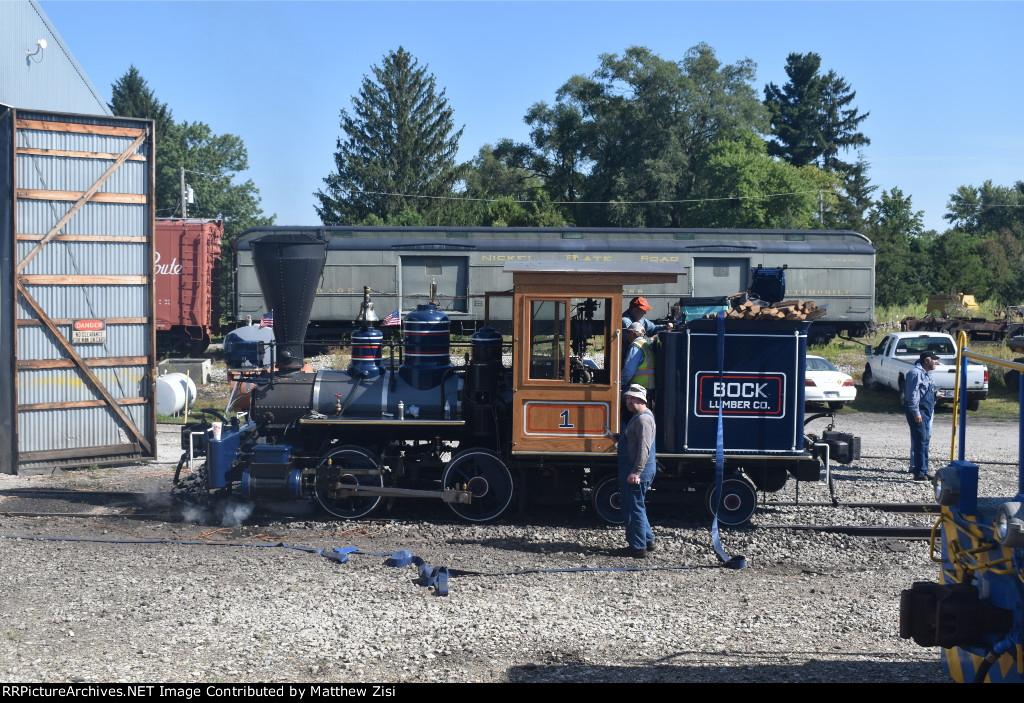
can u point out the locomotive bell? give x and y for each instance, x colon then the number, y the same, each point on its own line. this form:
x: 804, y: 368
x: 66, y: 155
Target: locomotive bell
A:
x: 367, y: 315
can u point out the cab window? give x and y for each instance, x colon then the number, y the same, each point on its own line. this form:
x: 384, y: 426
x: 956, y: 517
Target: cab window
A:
x: 547, y: 339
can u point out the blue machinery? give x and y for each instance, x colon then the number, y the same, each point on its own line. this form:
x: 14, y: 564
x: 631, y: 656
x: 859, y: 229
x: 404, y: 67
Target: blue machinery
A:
x: 976, y: 611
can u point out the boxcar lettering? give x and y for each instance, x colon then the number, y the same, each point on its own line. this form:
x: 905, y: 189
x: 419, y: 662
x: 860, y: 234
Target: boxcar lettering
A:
x: 171, y: 269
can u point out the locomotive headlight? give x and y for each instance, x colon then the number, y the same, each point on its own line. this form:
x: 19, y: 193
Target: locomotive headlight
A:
x: 947, y: 485
x: 1009, y: 527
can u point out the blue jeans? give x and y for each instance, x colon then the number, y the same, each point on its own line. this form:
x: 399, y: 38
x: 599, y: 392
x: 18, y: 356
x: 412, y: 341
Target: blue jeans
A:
x: 920, y: 437
x: 638, y: 529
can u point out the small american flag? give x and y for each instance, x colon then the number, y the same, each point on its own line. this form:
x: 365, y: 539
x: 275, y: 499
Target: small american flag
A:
x: 392, y: 320
x: 267, y: 320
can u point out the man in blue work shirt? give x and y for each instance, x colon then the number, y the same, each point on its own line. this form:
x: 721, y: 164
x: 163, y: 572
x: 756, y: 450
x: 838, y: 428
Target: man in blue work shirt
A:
x: 639, y: 365
x: 638, y: 308
x: 919, y: 396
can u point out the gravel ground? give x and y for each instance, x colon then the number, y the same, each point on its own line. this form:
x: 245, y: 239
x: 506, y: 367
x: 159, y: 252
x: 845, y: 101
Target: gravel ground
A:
x: 808, y: 607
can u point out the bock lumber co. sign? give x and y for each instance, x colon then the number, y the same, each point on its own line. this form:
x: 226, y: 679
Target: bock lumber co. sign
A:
x: 740, y: 394
x: 88, y: 332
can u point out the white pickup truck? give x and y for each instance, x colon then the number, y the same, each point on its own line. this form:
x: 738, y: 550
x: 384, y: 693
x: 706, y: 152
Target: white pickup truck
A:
x: 888, y: 363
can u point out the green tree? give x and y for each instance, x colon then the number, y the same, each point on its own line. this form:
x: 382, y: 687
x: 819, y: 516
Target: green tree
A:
x: 737, y: 175
x: 811, y: 117
x: 957, y: 265
x: 499, y: 194
x: 211, y: 163
x: 132, y: 97
x: 987, y: 209
x: 812, y: 121
x: 399, y: 141
x: 850, y: 212
x: 901, y: 259
x: 1003, y: 257
x: 636, y: 132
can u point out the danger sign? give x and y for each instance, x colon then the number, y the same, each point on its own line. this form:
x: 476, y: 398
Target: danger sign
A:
x: 88, y: 332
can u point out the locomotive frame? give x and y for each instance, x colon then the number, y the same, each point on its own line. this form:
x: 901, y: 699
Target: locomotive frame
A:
x: 483, y: 434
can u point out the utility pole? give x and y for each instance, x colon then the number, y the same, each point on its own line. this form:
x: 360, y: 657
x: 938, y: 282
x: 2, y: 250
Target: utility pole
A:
x: 184, y: 205
x: 187, y: 195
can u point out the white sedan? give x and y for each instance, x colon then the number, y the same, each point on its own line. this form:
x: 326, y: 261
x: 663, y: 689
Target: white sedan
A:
x: 826, y: 384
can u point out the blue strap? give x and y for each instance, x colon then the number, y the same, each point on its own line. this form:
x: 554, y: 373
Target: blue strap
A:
x: 436, y: 578
x: 737, y: 562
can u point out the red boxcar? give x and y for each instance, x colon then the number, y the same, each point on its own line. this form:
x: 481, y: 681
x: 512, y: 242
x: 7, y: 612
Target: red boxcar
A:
x: 187, y: 268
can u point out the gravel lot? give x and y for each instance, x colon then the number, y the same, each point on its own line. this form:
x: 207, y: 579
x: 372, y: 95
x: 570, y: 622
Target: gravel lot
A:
x: 808, y: 607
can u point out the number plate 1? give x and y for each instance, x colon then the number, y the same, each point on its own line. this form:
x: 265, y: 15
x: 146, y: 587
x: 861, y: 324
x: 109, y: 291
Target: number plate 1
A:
x: 548, y: 419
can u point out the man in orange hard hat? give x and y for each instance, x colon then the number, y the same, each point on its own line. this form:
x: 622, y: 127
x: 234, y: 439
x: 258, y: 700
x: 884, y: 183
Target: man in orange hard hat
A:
x: 638, y: 307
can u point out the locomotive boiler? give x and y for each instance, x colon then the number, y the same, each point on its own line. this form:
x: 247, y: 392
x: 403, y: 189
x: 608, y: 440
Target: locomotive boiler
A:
x: 536, y: 423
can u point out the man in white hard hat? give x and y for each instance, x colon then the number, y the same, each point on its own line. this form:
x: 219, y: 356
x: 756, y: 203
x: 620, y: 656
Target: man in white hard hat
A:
x: 636, y: 471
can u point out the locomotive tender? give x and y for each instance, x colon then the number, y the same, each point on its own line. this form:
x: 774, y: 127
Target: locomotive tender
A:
x: 409, y: 423
x: 835, y: 268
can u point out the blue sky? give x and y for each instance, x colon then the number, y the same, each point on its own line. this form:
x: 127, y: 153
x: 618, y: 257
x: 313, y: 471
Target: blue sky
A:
x: 942, y: 80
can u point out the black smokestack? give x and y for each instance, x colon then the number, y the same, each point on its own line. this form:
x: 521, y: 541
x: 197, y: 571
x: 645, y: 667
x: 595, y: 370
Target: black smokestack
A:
x: 288, y: 268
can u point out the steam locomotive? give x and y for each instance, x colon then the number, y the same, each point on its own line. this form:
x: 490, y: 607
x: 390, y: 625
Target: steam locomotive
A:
x: 403, y: 421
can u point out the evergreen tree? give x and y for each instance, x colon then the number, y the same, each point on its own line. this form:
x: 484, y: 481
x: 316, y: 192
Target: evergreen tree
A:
x: 811, y: 116
x: 812, y: 121
x: 901, y: 260
x: 131, y: 96
x: 851, y: 211
x: 398, y: 141
x: 793, y: 111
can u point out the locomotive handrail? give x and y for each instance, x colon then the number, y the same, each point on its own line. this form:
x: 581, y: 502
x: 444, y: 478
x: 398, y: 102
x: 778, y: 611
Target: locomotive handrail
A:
x: 963, y: 356
x: 975, y: 356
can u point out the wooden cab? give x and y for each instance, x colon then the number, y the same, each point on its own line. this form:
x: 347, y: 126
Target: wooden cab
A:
x: 567, y: 360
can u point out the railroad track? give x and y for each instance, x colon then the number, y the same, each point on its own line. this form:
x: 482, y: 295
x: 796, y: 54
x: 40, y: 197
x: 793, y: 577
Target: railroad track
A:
x: 914, y: 508
x: 134, y: 505
x: 891, y: 532
x: 910, y: 532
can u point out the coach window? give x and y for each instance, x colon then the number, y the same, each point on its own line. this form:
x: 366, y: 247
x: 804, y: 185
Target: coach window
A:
x: 547, y: 340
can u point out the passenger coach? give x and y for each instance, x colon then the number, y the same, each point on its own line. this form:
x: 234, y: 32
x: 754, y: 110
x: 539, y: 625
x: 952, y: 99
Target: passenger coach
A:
x: 834, y: 268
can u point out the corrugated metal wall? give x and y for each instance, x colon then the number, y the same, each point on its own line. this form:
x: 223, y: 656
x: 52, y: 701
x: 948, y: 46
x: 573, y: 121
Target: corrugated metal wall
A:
x: 79, y: 224
x: 49, y: 79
